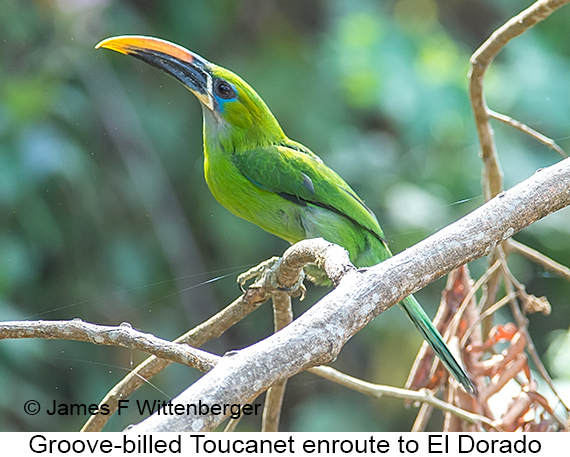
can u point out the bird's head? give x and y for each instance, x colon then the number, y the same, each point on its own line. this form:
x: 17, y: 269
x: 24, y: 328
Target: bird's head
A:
x: 234, y: 114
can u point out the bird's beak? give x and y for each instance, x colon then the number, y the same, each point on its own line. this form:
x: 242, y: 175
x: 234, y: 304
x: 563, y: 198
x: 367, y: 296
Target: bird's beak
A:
x: 189, y: 68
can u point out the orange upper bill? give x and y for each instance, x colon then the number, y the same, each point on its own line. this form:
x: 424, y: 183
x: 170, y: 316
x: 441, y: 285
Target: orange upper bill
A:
x: 129, y: 44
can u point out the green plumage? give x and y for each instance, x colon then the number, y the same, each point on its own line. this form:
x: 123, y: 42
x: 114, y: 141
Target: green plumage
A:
x: 295, y: 196
x: 259, y: 174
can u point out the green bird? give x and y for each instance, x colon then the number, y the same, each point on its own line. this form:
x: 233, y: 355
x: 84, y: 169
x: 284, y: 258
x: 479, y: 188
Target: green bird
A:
x: 260, y: 175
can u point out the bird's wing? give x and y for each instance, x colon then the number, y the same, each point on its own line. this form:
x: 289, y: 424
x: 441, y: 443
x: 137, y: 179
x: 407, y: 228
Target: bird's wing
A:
x: 298, y: 175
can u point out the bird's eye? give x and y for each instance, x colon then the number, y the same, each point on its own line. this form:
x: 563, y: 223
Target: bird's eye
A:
x: 224, y: 89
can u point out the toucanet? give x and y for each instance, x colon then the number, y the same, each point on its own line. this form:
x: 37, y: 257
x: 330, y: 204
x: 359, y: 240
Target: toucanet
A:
x: 259, y: 174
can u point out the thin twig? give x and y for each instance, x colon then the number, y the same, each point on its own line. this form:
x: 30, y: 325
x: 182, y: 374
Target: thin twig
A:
x: 377, y: 390
x: 454, y: 324
x: 539, y: 258
x: 531, y: 348
x: 528, y: 130
x: 282, y: 316
x: 493, y: 309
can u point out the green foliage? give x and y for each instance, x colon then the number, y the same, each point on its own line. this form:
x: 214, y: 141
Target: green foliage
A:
x: 105, y: 214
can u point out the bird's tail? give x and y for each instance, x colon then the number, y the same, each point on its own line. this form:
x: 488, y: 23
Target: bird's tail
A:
x: 423, y: 323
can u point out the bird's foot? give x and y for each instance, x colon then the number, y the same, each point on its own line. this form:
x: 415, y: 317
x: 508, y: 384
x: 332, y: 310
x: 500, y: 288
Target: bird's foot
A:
x: 265, y: 275
x: 257, y: 272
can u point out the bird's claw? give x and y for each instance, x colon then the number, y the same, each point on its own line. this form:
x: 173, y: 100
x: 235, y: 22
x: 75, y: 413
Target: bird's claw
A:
x: 299, y: 286
x: 264, y: 274
x: 258, y: 272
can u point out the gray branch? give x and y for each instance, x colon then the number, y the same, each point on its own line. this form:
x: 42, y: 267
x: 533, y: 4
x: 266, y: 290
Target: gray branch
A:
x: 124, y: 335
x: 317, y: 336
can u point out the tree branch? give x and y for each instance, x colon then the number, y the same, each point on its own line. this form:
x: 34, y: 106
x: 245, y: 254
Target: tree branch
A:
x: 332, y: 258
x: 124, y: 336
x: 318, y: 335
x: 212, y: 328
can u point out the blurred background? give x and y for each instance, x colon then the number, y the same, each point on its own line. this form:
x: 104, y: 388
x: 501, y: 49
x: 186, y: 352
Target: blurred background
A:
x: 105, y: 214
